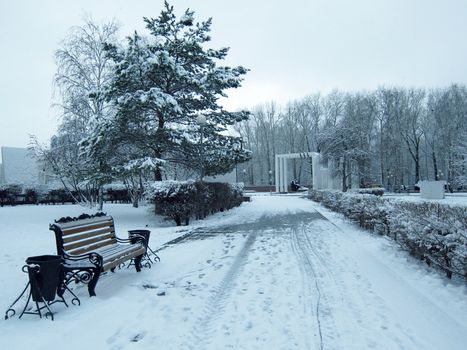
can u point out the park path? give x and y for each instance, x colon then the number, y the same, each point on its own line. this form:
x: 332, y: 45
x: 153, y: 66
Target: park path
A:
x: 300, y: 282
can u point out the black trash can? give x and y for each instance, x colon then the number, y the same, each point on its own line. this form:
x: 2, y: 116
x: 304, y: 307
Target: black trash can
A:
x: 144, y: 233
x: 44, y: 275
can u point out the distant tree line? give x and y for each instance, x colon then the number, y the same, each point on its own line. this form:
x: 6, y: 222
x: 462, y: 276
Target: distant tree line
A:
x: 392, y: 137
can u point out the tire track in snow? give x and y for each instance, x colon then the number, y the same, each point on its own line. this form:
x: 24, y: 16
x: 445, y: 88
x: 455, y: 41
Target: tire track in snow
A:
x: 350, y: 298
x: 201, y: 334
x: 339, y: 301
x: 300, y: 247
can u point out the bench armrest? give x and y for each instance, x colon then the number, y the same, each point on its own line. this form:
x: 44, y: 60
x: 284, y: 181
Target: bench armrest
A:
x: 133, y: 240
x: 93, y: 258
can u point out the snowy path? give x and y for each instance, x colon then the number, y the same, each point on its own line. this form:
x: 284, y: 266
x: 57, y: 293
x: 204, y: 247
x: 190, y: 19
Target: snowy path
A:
x: 272, y: 274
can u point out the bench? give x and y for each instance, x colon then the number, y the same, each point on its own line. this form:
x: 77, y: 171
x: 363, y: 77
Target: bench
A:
x: 89, y: 246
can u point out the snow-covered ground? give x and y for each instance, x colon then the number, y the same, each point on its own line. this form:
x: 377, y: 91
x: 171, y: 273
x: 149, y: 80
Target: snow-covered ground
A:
x: 279, y: 272
x: 458, y: 198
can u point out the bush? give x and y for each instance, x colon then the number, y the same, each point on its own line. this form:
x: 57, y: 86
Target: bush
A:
x: 9, y: 194
x: 3, y: 196
x: 119, y: 195
x: 31, y: 196
x: 59, y: 196
x: 182, y: 200
x: 377, y: 191
x: 435, y: 233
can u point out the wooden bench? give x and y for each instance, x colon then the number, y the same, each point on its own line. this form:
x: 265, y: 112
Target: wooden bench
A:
x: 89, y: 246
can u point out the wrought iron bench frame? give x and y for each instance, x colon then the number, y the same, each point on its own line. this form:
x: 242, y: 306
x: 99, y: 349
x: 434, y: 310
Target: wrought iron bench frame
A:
x: 89, y: 246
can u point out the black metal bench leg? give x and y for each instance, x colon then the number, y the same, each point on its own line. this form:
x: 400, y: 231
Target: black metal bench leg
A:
x: 74, y: 301
x: 156, y: 257
x: 138, y: 263
x: 93, y: 282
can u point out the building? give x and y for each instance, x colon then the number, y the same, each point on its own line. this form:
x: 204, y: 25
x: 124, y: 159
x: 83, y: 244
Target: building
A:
x: 229, y: 177
x: 18, y: 166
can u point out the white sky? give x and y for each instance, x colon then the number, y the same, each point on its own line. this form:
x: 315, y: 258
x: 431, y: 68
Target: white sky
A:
x: 293, y: 48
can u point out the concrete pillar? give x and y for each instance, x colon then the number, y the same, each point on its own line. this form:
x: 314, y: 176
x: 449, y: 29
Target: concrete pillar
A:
x: 286, y: 180
x: 317, y: 173
x: 276, y: 164
x: 281, y: 186
x: 281, y: 173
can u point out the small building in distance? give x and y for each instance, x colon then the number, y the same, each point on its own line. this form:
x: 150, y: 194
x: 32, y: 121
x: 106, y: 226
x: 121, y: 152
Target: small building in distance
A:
x: 1, y: 173
x: 18, y: 166
x: 229, y: 177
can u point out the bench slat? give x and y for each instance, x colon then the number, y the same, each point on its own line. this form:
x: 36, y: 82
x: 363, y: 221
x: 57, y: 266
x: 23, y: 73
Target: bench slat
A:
x: 82, y: 236
x: 87, y: 228
x: 92, y: 247
x: 116, y: 250
x: 84, y: 222
x: 86, y: 242
x: 113, y: 263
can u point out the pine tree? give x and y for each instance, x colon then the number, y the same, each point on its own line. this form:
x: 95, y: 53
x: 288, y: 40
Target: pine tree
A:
x: 162, y: 83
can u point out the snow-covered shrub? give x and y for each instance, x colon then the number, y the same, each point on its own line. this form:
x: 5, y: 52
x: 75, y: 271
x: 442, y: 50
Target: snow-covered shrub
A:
x: 220, y: 193
x: 377, y: 191
x: 223, y: 196
x: 9, y: 194
x: 3, y: 196
x: 204, y: 195
x: 314, y: 195
x: 31, y: 195
x: 432, y: 232
x: 174, y: 199
x: 236, y: 190
x: 181, y: 200
x: 117, y: 195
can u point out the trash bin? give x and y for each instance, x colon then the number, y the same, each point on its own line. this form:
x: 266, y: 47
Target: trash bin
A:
x: 144, y: 233
x: 44, y: 274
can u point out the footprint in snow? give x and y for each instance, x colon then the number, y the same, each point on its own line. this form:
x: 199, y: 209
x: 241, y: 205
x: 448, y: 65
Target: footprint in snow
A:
x: 136, y: 338
x: 149, y: 286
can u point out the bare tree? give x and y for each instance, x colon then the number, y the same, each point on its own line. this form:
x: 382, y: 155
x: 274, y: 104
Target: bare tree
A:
x: 392, y: 136
x: 83, y: 72
x: 410, y: 116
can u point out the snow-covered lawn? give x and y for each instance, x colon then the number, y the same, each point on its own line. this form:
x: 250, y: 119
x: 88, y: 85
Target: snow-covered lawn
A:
x: 458, y: 198
x: 279, y: 272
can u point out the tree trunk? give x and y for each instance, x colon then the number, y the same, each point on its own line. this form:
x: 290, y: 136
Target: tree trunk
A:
x: 417, y: 164
x: 381, y: 152
x: 157, y: 174
x: 100, y: 198
x: 344, y: 176
x: 435, y: 165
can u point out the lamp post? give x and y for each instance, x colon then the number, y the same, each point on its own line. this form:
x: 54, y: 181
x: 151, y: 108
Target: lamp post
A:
x: 201, y: 120
x: 389, y: 177
x: 236, y: 149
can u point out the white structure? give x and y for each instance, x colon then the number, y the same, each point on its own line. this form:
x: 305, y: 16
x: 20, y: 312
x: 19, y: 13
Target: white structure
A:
x: 322, y: 177
x: 2, y: 177
x: 431, y: 189
x: 229, y: 178
x: 18, y: 166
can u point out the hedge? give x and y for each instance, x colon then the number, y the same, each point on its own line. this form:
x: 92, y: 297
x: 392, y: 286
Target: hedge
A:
x: 433, y: 232
x: 183, y: 200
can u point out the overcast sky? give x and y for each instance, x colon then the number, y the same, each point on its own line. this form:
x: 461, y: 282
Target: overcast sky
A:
x: 293, y: 48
